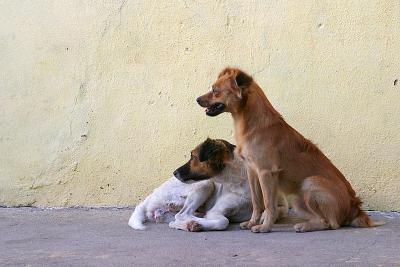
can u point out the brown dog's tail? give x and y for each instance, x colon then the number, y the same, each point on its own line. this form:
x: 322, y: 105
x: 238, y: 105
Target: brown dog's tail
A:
x: 363, y: 220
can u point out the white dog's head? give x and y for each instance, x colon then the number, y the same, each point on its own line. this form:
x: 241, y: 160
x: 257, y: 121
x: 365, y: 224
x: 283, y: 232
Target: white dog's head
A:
x: 206, y: 160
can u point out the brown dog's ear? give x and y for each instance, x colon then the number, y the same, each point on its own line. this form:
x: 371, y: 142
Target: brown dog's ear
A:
x: 210, y: 149
x: 242, y: 79
x: 227, y: 70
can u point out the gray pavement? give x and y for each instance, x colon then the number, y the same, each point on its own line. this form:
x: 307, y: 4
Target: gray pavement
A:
x: 101, y: 237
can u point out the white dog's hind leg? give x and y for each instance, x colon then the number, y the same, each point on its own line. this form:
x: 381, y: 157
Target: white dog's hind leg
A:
x: 138, y: 217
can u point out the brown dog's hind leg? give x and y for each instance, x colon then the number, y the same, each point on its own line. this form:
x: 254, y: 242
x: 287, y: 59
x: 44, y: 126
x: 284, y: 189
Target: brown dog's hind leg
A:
x: 314, y: 224
x: 282, y: 209
x: 318, y: 205
x: 256, y: 200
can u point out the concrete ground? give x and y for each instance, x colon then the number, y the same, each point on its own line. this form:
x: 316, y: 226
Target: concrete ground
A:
x: 101, y: 237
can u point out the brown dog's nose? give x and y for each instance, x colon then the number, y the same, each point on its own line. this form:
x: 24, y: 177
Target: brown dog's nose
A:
x: 198, y: 100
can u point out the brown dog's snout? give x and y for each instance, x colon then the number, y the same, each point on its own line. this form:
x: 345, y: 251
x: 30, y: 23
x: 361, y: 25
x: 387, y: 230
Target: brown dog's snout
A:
x: 200, y: 100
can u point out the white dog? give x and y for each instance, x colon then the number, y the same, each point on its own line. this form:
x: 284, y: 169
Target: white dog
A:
x: 213, y: 181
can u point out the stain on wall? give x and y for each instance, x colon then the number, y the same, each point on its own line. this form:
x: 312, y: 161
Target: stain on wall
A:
x: 97, y: 98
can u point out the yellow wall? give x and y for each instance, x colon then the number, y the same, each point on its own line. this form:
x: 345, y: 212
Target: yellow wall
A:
x: 97, y: 97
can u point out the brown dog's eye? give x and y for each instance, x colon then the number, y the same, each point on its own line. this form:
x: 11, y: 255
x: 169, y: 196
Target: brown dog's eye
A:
x: 215, y: 92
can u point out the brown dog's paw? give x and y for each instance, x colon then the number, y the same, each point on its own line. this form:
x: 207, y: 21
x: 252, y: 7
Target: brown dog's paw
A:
x: 261, y: 228
x: 247, y: 225
x: 243, y: 225
x: 193, y: 226
x: 302, y: 227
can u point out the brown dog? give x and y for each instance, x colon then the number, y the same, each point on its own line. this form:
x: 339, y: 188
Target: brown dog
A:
x: 278, y: 158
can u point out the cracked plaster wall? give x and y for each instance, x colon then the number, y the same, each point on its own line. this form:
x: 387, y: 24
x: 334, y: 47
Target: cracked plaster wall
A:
x: 97, y: 97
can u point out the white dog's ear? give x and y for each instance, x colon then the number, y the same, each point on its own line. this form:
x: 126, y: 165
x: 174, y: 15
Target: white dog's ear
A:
x: 209, y: 150
x: 229, y: 146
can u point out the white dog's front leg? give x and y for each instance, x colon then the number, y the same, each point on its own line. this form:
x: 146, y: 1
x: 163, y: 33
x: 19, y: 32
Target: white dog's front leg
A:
x: 197, y: 197
x: 211, y: 222
x: 216, y: 219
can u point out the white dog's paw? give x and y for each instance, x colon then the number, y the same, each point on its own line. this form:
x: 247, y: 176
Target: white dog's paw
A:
x: 193, y: 226
x: 187, y: 225
x: 172, y: 225
x: 174, y: 207
x: 136, y: 224
x: 181, y: 225
x: 159, y: 215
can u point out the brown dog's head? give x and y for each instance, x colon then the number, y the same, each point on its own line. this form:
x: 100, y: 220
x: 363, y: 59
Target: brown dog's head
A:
x: 206, y: 160
x: 227, y: 93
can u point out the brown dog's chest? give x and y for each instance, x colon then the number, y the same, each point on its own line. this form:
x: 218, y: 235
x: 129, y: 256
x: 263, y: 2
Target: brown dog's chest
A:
x: 287, y: 183
x: 255, y: 152
x: 243, y: 152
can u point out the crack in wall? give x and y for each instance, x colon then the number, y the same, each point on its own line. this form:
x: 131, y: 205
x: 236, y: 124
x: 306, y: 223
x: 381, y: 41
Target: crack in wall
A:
x: 109, y: 20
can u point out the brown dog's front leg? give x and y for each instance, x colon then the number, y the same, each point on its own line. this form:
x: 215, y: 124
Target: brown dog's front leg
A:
x: 256, y: 199
x: 269, y: 186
